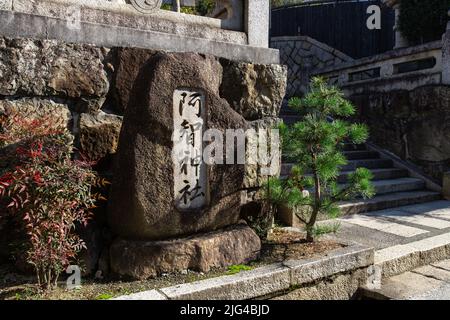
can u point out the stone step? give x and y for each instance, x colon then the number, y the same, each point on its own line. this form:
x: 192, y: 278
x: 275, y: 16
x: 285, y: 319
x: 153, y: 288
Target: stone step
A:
x: 378, y: 174
x: 386, y: 201
x: 368, y: 163
x: 291, y: 119
x: 428, y: 282
x: 390, y: 186
x: 361, y: 154
x: 394, y: 185
x: 354, y: 154
x: 398, y: 185
x: 352, y: 165
x: 354, y: 147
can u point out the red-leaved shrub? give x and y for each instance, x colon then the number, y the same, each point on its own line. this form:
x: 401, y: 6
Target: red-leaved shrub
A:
x: 45, y: 191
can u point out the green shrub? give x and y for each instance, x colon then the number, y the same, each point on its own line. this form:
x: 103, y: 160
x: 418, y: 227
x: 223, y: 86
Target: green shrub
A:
x: 238, y: 268
x: 104, y: 296
x: 202, y: 8
x: 205, y: 6
x: 45, y: 192
x: 187, y: 10
x: 314, y: 143
x: 422, y: 21
x: 323, y: 229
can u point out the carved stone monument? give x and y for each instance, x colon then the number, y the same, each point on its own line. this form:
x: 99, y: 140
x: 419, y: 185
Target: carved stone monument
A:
x: 170, y: 210
x: 190, y: 180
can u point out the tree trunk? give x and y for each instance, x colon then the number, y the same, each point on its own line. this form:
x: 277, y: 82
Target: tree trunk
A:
x: 38, y: 275
x: 317, y: 201
x: 310, y: 226
x: 49, y: 280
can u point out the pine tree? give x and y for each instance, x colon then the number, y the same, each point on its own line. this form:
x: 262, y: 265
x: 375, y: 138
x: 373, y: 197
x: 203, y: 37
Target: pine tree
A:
x: 315, y: 145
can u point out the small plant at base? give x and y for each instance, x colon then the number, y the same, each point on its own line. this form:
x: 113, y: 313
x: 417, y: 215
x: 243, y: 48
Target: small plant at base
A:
x: 238, y: 268
x: 323, y: 229
x: 104, y: 296
x: 314, y: 143
x: 45, y: 192
x: 262, y: 223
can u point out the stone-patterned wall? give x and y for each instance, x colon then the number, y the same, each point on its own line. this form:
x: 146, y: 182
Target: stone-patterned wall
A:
x: 69, y: 82
x: 304, y: 56
x: 89, y: 89
x: 414, y: 125
x: 446, y: 56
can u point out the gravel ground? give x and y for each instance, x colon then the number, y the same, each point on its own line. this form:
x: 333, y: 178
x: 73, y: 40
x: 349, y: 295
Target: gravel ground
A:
x: 281, y: 245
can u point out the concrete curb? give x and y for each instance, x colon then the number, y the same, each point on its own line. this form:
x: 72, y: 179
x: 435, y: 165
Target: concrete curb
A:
x: 402, y: 258
x: 267, y: 280
x: 153, y: 295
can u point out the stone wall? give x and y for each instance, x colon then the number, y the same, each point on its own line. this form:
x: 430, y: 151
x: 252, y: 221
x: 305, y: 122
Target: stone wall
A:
x: 304, y: 56
x: 117, y: 24
x: 413, y: 124
x: 446, y: 56
x: 407, y: 110
x: 90, y: 88
x: 70, y: 82
x: 400, y: 69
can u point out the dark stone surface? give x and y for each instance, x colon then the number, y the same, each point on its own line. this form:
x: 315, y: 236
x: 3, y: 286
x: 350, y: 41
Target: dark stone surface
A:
x: 253, y: 90
x: 99, y: 134
x: 141, y: 201
x: 414, y: 125
x: 71, y: 82
x: 36, y: 68
x: 128, y: 62
x: 140, y: 260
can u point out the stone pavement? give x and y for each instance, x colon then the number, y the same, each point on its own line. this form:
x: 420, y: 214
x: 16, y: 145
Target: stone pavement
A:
x: 431, y: 282
x: 412, y: 244
x: 397, y: 226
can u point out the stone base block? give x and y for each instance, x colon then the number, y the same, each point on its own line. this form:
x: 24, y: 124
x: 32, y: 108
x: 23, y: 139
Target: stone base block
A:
x: 288, y: 216
x: 201, y: 252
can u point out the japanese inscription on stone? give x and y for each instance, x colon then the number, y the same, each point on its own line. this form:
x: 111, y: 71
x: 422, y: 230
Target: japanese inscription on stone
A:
x: 190, y: 181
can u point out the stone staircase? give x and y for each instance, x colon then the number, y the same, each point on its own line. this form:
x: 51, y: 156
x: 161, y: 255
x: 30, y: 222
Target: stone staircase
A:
x: 411, y: 238
x: 394, y: 187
